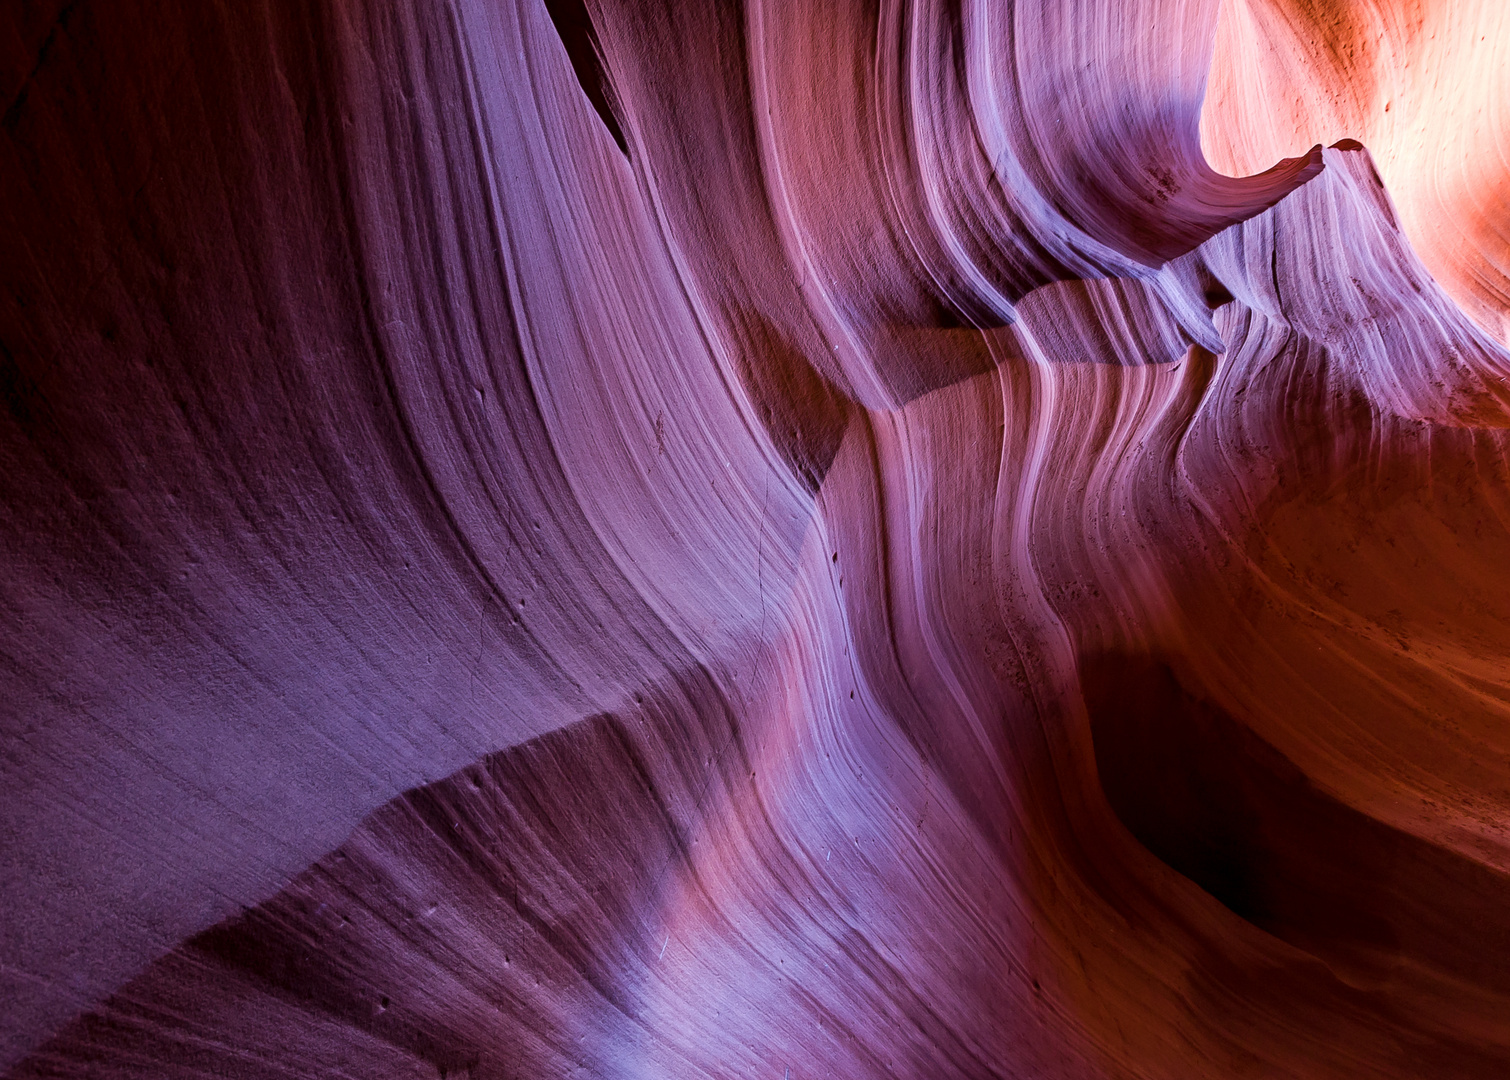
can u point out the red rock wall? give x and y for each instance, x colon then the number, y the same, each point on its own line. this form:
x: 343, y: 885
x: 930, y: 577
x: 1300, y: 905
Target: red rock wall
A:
x: 681, y: 539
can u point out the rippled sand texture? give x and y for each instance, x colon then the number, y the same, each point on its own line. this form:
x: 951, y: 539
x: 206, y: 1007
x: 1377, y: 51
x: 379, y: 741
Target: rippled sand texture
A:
x: 680, y: 539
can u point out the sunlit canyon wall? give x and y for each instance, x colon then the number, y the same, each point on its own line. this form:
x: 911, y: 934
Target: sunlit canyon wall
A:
x: 674, y: 538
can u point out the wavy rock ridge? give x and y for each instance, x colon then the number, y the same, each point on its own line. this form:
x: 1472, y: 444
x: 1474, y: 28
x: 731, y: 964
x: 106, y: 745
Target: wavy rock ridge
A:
x: 740, y: 539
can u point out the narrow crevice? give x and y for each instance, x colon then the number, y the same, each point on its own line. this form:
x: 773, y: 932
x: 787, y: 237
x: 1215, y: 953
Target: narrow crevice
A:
x: 583, y: 49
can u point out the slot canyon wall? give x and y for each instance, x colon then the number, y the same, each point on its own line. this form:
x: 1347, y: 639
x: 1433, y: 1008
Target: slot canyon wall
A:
x: 723, y: 538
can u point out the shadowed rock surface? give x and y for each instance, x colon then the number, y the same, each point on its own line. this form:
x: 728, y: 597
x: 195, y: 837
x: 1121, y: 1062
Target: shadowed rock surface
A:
x: 658, y: 538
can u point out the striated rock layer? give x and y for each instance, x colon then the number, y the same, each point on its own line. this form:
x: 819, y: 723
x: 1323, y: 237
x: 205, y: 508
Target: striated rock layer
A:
x: 662, y: 538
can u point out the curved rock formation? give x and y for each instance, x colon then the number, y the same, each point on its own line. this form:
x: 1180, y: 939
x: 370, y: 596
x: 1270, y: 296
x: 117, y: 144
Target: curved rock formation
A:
x: 681, y: 539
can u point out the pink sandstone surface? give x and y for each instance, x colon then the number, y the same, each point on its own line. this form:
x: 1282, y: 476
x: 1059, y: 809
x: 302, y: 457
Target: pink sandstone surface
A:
x: 668, y: 538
